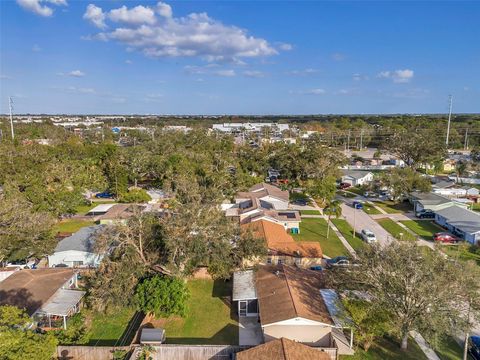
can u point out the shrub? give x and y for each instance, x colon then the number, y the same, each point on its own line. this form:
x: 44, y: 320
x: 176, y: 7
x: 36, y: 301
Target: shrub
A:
x: 135, y: 196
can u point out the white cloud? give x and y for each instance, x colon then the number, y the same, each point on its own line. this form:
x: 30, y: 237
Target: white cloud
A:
x: 317, y: 91
x: 303, y: 72
x: 36, y: 48
x: 338, y: 56
x: 164, y: 10
x: 137, y: 15
x: 195, y: 35
x: 397, y: 76
x: 225, y: 73
x: 285, y: 46
x: 129, y: 62
x: 76, y: 73
x: 253, y: 74
x: 95, y: 15
x: 153, y: 97
x: 76, y: 90
x: 38, y: 6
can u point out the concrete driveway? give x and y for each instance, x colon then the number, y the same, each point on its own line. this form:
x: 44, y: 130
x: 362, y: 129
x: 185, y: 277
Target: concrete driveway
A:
x: 364, y: 221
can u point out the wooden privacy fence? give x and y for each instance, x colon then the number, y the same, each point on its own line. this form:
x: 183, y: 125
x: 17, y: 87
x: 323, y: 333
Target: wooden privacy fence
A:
x: 88, y: 352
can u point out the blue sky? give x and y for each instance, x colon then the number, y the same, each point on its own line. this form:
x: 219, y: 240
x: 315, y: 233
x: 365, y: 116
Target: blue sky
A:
x: 239, y: 57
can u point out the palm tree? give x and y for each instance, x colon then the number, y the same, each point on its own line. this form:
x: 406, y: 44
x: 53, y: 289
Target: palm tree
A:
x: 334, y: 208
x: 460, y: 169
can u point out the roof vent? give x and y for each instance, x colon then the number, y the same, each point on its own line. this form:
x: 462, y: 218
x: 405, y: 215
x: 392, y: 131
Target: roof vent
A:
x: 277, y: 273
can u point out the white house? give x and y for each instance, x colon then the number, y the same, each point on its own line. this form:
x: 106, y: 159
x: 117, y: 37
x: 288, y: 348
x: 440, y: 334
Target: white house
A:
x: 77, y: 250
x: 275, y: 196
x: 460, y: 221
x: 357, y: 177
x: 432, y: 201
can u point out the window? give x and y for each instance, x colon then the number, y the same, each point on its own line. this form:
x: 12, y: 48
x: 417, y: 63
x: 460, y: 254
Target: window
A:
x: 269, y: 260
x: 77, y: 263
x: 279, y: 261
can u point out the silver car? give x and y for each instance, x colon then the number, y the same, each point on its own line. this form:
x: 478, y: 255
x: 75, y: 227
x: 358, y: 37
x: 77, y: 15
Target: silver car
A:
x: 368, y: 236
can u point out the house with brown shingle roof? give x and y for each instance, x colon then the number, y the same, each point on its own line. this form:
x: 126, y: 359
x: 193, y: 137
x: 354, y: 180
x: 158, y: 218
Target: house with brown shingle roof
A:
x: 283, y: 349
x: 282, y: 248
x: 291, y: 305
x: 277, y: 197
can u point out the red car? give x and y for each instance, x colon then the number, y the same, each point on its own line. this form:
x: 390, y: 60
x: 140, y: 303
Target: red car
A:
x: 445, y: 238
x: 344, y: 185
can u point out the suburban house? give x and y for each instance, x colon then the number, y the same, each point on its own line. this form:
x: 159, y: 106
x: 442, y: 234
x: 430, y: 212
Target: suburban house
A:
x: 264, y: 202
x: 431, y: 201
x: 289, y: 304
x: 357, y: 177
x: 283, y: 349
x: 460, y: 221
x: 275, y: 196
x: 282, y: 248
x: 101, y: 209
x: 77, y: 250
x: 118, y: 214
x: 47, y: 295
x: 456, y: 192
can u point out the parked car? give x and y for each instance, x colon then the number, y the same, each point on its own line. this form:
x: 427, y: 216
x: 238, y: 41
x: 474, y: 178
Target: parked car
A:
x: 357, y: 204
x: 316, y: 268
x: 474, y: 347
x: 338, y: 261
x: 300, y: 202
x: 344, y: 185
x: 425, y: 214
x: 368, y: 236
x: 446, y: 238
x: 104, y: 195
x: 370, y: 194
x: 23, y: 264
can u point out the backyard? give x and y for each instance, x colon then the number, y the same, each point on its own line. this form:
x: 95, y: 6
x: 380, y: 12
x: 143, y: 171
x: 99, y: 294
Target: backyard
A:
x: 387, y: 349
x: 424, y: 228
x: 395, y: 230
x: 210, y: 319
x: 115, y: 328
x: 315, y: 229
x: 71, y: 225
x: 347, y: 231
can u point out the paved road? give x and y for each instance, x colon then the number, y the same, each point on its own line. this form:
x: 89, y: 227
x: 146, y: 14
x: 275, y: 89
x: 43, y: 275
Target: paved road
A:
x: 363, y: 221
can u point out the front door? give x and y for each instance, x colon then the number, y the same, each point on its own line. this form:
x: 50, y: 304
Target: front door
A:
x: 242, y: 308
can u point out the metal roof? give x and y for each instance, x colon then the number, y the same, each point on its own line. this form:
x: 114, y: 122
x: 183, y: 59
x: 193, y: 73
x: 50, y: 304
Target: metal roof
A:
x: 102, y: 208
x: 62, y: 302
x: 82, y: 240
x: 428, y: 198
x: 152, y: 335
x: 335, y: 308
x: 244, y: 285
x: 463, y: 219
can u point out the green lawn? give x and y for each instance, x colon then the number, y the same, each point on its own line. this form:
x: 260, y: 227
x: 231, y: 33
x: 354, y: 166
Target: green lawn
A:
x: 84, y: 208
x: 448, y: 349
x: 110, y: 329
x: 386, y: 349
x: 460, y: 252
x: 395, y: 230
x: 346, y: 194
x: 309, y: 212
x: 370, y: 209
x: 394, y: 208
x: 423, y: 228
x: 316, y: 230
x: 210, y: 318
x: 356, y: 190
x: 347, y: 231
x: 476, y: 207
x: 71, y: 225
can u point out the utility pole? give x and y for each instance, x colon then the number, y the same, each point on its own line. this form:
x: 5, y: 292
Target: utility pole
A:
x: 465, y: 145
x: 361, y: 139
x: 449, y: 119
x: 10, y: 105
x: 348, y: 141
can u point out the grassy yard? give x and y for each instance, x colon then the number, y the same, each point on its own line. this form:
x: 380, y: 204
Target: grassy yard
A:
x: 309, y: 212
x: 110, y: 329
x: 210, y: 319
x: 356, y: 190
x: 394, y: 208
x: 386, y: 349
x: 395, y: 230
x: 84, y: 208
x: 71, y: 225
x: 316, y: 230
x: 423, y: 228
x: 449, y: 349
x: 347, y: 231
x: 346, y: 194
x: 460, y: 252
x: 476, y: 207
x: 370, y: 209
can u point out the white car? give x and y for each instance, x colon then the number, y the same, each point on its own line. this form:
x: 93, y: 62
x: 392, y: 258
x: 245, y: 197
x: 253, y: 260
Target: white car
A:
x: 368, y: 236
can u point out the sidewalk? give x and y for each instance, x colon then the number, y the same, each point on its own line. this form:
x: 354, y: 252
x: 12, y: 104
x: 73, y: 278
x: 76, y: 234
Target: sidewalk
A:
x: 428, y: 351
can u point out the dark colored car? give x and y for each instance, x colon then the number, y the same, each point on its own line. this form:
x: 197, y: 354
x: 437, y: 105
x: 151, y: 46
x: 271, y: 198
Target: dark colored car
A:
x: 344, y: 185
x: 316, y: 268
x: 104, y: 195
x: 474, y: 347
x: 425, y: 214
x: 300, y: 202
x: 338, y: 261
x: 357, y: 205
